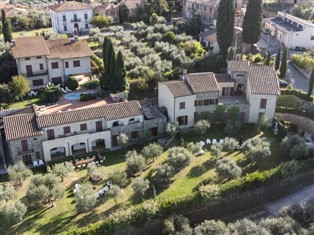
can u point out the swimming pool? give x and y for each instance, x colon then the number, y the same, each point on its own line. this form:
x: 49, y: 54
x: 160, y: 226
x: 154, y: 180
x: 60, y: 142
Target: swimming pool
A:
x: 76, y: 96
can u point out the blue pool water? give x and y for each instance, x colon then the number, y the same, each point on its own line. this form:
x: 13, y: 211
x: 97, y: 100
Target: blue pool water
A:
x: 73, y: 96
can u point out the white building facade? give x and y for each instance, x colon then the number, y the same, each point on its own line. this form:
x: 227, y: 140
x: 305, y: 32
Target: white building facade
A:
x: 71, y: 18
x: 291, y: 31
x: 51, y: 61
x: 253, y: 88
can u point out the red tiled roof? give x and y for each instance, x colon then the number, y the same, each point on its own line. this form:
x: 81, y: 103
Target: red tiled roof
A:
x: 263, y: 80
x: 29, y: 46
x: 109, y: 112
x: 239, y: 65
x: 70, y: 6
x: 178, y: 88
x: 202, y: 82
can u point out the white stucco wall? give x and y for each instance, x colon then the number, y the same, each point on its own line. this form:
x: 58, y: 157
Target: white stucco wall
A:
x: 255, y: 109
x: 58, y: 72
x: 166, y: 99
x: 188, y: 111
x: 224, y: 84
x: 85, y: 67
x: 58, y: 23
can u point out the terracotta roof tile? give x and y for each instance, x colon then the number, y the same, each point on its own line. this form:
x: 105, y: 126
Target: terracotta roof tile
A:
x: 209, y: 35
x: 239, y: 65
x: 69, y: 6
x: 29, y: 46
x: 202, y: 82
x: 109, y: 112
x: 20, y: 126
x: 64, y: 49
x: 223, y: 78
x: 263, y: 80
x: 178, y: 88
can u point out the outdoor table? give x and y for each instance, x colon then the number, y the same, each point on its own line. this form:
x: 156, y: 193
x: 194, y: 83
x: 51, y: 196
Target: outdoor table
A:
x: 84, y: 161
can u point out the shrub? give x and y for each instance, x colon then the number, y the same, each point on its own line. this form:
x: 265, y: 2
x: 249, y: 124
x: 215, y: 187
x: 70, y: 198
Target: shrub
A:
x: 201, y: 127
x: 62, y: 169
x: 140, y: 186
x: 72, y: 83
x: 179, y: 158
x: 245, y: 226
x: 164, y: 173
x: 303, y: 61
x: 288, y: 101
x: 152, y: 150
x: 294, y: 147
x: 95, y: 173
x: 216, y: 150
x: 194, y: 148
x: 13, y: 213
x: 169, y: 37
x: 85, y: 198
x: 18, y: 173
x: 135, y: 163
x: 229, y: 144
x: 211, y: 227
x: 257, y: 148
x: 263, y: 122
x: 115, y: 192
x: 7, y: 192
x: 88, y: 96
x: 118, y: 178
x: 210, y: 191
x: 177, y: 224
x: 289, y: 168
x: 51, y: 94
x: 92, y: 84
x: 228, y: 169
x: 279, y: 225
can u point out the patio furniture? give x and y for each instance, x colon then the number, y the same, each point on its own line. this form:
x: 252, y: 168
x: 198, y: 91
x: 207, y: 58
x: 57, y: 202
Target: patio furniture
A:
x: 208, y: 141
x: 202, y: 143
x: 214, y: 141
x: 35, y: 163
x: 221, y: 141
x: 41, y: 162
x: 67, y: 89
x: 77, y: 186
x: 97, y: 195
x: 84, y: 162
x: 63, y: 90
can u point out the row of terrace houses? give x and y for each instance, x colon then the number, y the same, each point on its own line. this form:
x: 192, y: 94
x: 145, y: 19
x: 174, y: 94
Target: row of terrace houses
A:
x: 31, y: 135
x: 254, y: 88
x: 43, y: 61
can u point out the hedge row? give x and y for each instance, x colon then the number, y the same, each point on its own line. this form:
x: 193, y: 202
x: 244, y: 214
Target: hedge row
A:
x: 303, y: 113
x: 303, y: 61
x: 298, y: 93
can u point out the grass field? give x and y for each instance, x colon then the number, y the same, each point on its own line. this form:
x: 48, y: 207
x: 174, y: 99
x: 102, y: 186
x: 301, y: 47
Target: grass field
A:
x: 30, y: 33
x: 25, y: 102
x: 55, y: 220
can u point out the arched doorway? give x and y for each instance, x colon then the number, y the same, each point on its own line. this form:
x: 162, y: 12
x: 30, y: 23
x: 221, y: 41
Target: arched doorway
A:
x: 99, y: 144
x: 79, y: 148
x: 58, y: 152
x: 76, y: 29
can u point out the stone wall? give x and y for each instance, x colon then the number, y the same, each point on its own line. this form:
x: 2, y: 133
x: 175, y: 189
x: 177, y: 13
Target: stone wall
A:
x: 305, y: 73
x: 303, y: 123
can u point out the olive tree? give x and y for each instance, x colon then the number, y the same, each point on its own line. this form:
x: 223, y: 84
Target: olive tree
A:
x: 177, y: 224
x: 115, y: 192
x: 135, y: 163
x: 216, y: 227
x: 201, y: 127
x: 118, y: 178
x: 228, y: 169
x: 229, y: 144
x: 7, y: 192
x: 164, y: 174
x: 85, y: 198
x: 13, y: 213
x: 172, y: 129
x: 194, y: 147
x: 179, y: 158
x: 123, y: 140
x: 294, y: 147
x: 62, y: 169
x: 257, y: 148
x: 263, y: 123
x: 216, y: 150
x: 140, y: 186
x: 152, y: 150
x: 18, y: 173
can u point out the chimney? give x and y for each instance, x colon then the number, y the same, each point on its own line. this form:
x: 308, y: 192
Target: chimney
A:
x: 13, y: 43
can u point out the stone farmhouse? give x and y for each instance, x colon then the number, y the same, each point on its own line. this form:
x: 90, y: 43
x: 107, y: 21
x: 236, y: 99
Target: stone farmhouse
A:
x: 108, y: 9
x: 254, y: 88
x: 31, y: 134
x: 51, y: 61
x: 71, y: 17
x: 206, y: 8
x: 291, y: 30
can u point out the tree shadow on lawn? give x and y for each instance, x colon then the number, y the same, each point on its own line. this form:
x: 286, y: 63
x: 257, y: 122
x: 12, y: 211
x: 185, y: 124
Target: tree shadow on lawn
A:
x: 199, y: 170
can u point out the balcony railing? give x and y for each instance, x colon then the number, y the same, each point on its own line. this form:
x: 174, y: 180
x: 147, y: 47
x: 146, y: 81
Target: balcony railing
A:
x: 21, y: 151
x: 76, y: 20
x: 35, y: 74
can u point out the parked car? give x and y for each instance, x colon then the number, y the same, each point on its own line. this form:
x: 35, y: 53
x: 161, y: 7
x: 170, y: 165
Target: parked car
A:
x: 266, y: 31
x: 282, y: 83
x: 300, y: 49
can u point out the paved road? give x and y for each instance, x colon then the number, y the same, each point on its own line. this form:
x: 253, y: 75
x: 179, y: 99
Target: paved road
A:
x: 296, y: 79
x: 305, y: 194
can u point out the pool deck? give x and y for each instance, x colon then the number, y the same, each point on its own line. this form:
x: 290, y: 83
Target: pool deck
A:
x: 64, y: 104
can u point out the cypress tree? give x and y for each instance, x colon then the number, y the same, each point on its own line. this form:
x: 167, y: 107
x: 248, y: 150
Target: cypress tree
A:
x: 225, y: 25
x: 283, y: 64
x: 311, y: 83
x: 252, y: 22
x: 109, y: 62
x: 267, y: 61
x: 103, y: 83
x: 6, y: 28
x: 231, y: 53
x: 277, y: 60
x: 113, y: 85
x: 120, y: 72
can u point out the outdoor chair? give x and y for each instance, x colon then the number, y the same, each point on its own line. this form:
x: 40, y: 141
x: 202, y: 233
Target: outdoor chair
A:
x: 40, y: 162
x: 214, y: 141
x: 35, y: 163
x: 208, y: 141
x: 221, y: 141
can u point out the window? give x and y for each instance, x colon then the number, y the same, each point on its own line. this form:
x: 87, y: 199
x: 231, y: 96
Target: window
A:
x: 210, y: 9
x: 182, y: 105
x: 38, y: 57
x: 206, y: 102
x: 56, y: 80
x: 24, y: 145
x: 76, y: 63
x: 66, y: 129
x: 54, y: 65
x: 29, y: 70
x: 51, y: 134
x: 65, y: 28
x: 213, y: 101
x: 134, y: 134
x: 154, y: 131
x: 183, y: 120
x: 83, y: 127
x: 86, y: 26
x: 114, y: 140
x: 99, y: 126
x: 41, y: 67
x: 66, y: 64
x: 38, y: 82
x: 312, y: 38
x: 64, y: 18
x: 227, y: 91
x: 27, y: 159
x: 263, y: 103
x: 85, y: 16
x: 204, y: 8
x: 204, y: 18
x: 27, y: 58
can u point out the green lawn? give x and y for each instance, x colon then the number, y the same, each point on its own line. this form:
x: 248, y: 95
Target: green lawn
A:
x: 55, y: 220
x: 26, y: 102
x: 30, y: 33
